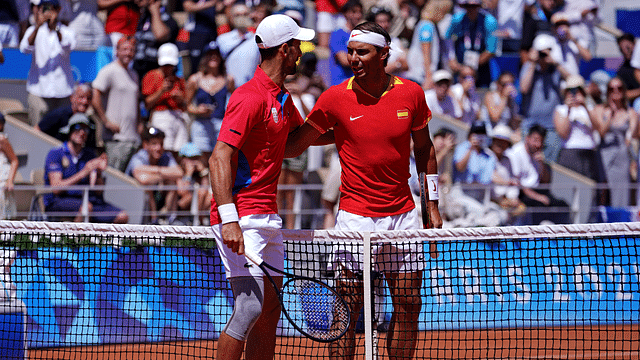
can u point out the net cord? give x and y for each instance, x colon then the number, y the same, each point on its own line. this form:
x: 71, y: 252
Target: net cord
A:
x: 368, y: 294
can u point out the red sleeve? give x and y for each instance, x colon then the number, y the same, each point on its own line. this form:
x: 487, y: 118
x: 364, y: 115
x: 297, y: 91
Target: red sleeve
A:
x: 244, y: 111
x: 151, y: 82
x: 320, y: 117
x: 423, y: 113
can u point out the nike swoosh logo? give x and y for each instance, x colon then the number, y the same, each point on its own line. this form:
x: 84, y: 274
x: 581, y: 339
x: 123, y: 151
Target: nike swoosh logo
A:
x: 355, y: 118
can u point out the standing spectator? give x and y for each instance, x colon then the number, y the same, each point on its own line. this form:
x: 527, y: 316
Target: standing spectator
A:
x: 207, y: 92
x: 118, y: 84
x: 85, y: 23
x: 339, y: 66
x: 8, y: 169
x: 627, y: 72
x: 397, y: 63
x: 155, y: 28
x: 122, y: 18
x: 426, y: 50
x: 57, y: 119
x: 151, y: 165
x: 202, y: 26
x: 583, y: 17
x: 9, y: 24
x: 165, y: 98
x: 500, y: 106
x: 50, y: 81
x: 473, y: 163
x: 509, y: 14
x: 465, y: 94
x: 74, y: 164
x: 439, y: 99
x: 568, y: 52
x: 238, y: 47
x: 540, y: 79
x: 618, y: 123
x: 328, y: 19
x: 537, y: 20
x: 575, y: 125
x: 474, y: 42
x: 529, y: 167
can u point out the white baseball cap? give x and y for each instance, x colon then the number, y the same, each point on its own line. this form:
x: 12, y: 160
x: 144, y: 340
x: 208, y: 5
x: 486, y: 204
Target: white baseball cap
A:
x: 440, y: 75
x: 502, y: 132
x: 275, y: 30
x: 544, y: 42
x: 168, y: 54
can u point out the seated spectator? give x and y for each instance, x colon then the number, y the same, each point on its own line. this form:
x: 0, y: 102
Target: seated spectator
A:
x: 85, y: 23
x: 474, y: 42
x: 439, y: 99
x: 74, y: 164
x: 499, y: 106
x: 339, y: 67
x: 629, y: 72
x: 8, y: 170
x: 529, y: 167
x: 465, y: 94
x: 165, y: 99
x: 56, y: 120
x: 505, y: 191
x: 537, y: 20
x: 151, y: 165
x: 238, y: 46
x: 583, y: 17
x: 201, y: 26
x: 49, y: 81
x: 155, y: 28
x: 618, y: 124
x: 575, y: 125
x: 427, y: 48
x: 540, y: 79
x: 444, y: 142
x: 472, y: 163
x: 118, y: 84
x: 206, y: 95
x: 397, y: 63
x: 195, y: 171
x: 122, y: 18
x: 568, y: 52
x: 597, y: 88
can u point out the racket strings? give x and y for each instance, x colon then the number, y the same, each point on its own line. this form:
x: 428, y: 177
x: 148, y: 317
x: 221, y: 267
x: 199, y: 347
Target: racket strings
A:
x: 315, y: 309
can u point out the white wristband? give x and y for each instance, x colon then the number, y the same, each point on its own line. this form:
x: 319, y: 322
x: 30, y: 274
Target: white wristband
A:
x: 432, y: 185
x: 228, y: 213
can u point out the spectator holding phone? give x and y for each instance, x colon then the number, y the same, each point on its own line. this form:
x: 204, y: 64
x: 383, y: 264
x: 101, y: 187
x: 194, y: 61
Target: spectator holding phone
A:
x: 165, y: 98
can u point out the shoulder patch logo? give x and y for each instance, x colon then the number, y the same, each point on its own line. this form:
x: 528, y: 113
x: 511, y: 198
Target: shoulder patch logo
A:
x: 403, y: 114
x: 274, y: 113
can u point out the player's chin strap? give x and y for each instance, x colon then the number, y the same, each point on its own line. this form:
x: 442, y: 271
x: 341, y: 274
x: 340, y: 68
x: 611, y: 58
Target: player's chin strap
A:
x: 432, y: 184
x: 374, y: 39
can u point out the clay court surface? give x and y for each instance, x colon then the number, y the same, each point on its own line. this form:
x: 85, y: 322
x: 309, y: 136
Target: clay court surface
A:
x: 584, y: 343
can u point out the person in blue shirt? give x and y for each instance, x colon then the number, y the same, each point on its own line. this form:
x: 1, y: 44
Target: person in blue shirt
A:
x: 74, y: 164
x: 339, y: 66
x: 472, y: 162
x: 474, y: 43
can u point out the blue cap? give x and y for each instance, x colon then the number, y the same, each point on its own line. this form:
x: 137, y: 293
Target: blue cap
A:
x: 190, y: 150
x: 55, y: 3
x: 211, y: 46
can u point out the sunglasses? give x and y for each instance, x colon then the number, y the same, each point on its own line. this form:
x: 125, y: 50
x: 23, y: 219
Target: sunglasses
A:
x: 80, y: 127
x: 615, y: 88
x: 574, y: 91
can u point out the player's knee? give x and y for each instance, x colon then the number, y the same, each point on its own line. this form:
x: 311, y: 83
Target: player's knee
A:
x: 246, y: 312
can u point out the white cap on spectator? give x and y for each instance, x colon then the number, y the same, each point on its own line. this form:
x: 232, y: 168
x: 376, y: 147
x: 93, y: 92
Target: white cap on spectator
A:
x: 544, y: 42
x: 168, y: 54
x: 502, y: 132
x: 35, y: 2
x: 440, y: 75
x: 275, y: 30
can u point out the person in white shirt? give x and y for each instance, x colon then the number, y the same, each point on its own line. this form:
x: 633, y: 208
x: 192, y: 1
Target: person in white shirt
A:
x: 568, y: 51
x: 50, y: 80
x: 439, y: 99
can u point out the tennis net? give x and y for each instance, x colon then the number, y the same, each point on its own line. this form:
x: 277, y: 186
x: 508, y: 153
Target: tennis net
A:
x: 95, y: 291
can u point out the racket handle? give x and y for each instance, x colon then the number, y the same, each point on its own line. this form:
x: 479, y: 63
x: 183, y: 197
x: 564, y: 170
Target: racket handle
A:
x: 253, y: 257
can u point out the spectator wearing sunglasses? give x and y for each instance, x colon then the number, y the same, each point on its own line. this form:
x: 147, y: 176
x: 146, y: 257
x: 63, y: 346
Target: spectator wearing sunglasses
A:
x: 75, y: 164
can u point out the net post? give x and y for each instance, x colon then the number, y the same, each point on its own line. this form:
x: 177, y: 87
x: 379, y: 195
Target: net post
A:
x: 368, y: 293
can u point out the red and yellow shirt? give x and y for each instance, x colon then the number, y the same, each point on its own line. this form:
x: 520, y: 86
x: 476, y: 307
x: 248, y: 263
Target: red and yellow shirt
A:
x: 258, y: 120
x: 373, y: 140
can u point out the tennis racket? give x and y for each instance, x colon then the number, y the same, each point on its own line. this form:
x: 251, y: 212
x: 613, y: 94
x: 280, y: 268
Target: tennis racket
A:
x: 426, y: 216
x: 312, y: 307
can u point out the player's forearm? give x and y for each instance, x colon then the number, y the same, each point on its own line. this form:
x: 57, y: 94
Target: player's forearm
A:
x: 221, y: 179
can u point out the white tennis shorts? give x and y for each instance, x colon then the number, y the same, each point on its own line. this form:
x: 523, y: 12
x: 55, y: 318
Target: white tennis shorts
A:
x: 263, y: 235
x: 403, y: 257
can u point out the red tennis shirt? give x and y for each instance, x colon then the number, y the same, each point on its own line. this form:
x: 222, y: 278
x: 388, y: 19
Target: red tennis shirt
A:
x: 373, y: 140
x: 258, y: 119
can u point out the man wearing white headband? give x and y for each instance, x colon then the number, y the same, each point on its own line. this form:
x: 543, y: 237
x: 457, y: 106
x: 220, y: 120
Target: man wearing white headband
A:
x: 374, y: 116
x: 245, y: 165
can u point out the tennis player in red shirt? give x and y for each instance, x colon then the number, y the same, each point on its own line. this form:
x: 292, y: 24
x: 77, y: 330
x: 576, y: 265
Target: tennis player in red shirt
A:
x: 374, y: 115
x: 245, y: 166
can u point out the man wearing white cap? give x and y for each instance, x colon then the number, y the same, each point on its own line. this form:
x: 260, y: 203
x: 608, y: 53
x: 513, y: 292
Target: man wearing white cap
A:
x: 374, y: 116
x: 245, y: 166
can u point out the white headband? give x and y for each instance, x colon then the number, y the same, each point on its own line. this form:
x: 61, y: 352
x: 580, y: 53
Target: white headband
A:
x: 368, y: 37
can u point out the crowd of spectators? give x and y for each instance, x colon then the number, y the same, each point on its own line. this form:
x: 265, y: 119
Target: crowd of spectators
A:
x: 156, y: 109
